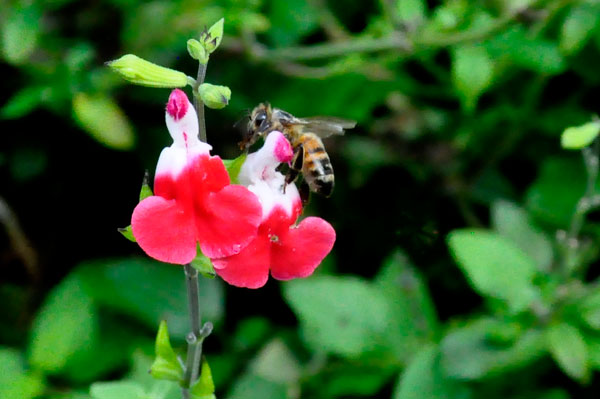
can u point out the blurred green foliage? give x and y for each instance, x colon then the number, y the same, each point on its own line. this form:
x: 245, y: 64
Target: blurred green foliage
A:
x: 466, y: 261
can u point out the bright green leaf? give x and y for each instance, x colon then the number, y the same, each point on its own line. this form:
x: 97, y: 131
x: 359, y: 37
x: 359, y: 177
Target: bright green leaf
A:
x: 234, y: 166
x: 166, y: 366
x: 275, y: 362
x: 513, y: 223
x: 117, y: 390
x: 102, y: 118
x: 203, y: 264
x: 578, y: 26
x: 20, y: 32
x: 23, y: 102
x: 494, y: 266
x: 66, y: 323
x: 472, y: 73
x: 341, y: 315
x: 411, y: 11
x: 145, y: 191
x: 578, y: 137
x: 204, y: 388
x: 15, y: 382
x: 127, y: 233
x: 569, y: 349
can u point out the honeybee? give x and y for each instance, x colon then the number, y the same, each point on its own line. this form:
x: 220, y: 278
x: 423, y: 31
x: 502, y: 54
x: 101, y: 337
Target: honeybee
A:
x: 304, y: 134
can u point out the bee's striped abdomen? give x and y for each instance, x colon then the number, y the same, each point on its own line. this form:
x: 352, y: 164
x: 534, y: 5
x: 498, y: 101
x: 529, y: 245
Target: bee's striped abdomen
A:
x: 316, y: 168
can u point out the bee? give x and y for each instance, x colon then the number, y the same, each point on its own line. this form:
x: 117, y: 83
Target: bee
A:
x: 304, y: 134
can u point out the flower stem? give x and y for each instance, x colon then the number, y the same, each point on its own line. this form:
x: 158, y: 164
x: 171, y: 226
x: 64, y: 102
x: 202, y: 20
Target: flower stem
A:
x: 198, y: 104
x: 197, y: 334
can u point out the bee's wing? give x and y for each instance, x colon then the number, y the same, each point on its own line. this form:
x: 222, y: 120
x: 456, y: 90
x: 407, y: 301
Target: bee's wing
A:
x: 325, y: 126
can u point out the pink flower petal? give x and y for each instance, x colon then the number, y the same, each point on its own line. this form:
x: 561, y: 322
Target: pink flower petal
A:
x: 249, y: 268
x: 301, y: 250
x: 227, y: 221
x: 164, y: 230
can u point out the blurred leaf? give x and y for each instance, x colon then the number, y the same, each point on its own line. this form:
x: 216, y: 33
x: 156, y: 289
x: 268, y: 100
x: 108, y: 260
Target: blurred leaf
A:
x: 23, y: 102
x: 577, y: 27
x: 492, y: 186
x: 569, y: 349
x: 290, y: 21
x: 152, y: 388
x: 578, y: 137
x: 536, y: 54
x: 204, y: 388
x: 413, y: 320
x: 102, y: 118
x: 472, y: 73
x: 593, y: 346
x: 512, y: 222
x: 411, y: 11
x: 251, y: 332
x: 470, y: 352
x: 155, y: 291
x: 494, y: 266
x: 15, y: 381
x: 250, y: 386
x: 65, y: 324
x: 423, y: 378
x: 116, y: 390
x: 554, y: 194
x: 20, y: 31
x: 233, y: 167
x: 276, y: 363
x: 340, y: 315
x: 166, y: 366
x: 353, y: 379
x: 589, y: 309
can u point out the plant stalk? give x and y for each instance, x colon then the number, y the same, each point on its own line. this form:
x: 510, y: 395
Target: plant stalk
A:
x: 198, y: 104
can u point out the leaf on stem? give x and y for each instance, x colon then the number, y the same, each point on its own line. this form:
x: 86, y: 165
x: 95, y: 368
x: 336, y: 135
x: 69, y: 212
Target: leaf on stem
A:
x: 166, y: 366
x: 203, y: 265
x: 568, y: 347
x: 578, y: 137
x: 204, y: 388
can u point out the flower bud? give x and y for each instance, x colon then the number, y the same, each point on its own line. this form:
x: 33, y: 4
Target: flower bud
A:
x: 139, y: 71
x: 213, y: 96
x: 196, y: 51
x: 212, y: 38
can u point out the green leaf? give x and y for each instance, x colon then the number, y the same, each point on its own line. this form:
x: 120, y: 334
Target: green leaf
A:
x: 423, y: 378
x: 251, y: 332
x: 102, y: 118
x: 20, y: 32
x: 275, y: 362
x: 197, y: 51
x: 155, y: 291
x: 234, y: 166
x: 567, y: 346
x: 413, y: 320
x: 353, y: 379
x: 513, y: 223
x: 589, y: 309
x: 494, y: 266
x: 290, y: 21
x: 166, y: 366
x: 127, y: 233
x: 472, y: 73
x: 250, y: 386
x: 578, y: 137
x: 203, y: 264
x: 15, y: 382
x: 66, y: 323
x: 474, y: 351
x: 117, y: 390
x: 146, y: 191
x: 341, y: 315
x: 23, y: 102
x: 411, y: 11
x: 578, y: 26
x: 204, y: 388
x: 593, y: 346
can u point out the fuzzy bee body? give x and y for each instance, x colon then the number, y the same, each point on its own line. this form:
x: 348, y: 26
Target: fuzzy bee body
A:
x: 304, y: 134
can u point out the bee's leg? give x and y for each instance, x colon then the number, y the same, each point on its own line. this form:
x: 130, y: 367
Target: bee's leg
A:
x: 304, y: 191
x: 295, y: 166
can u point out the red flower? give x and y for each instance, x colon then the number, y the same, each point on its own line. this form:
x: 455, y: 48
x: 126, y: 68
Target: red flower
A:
x: 286, y: 250
x: 193, y: 202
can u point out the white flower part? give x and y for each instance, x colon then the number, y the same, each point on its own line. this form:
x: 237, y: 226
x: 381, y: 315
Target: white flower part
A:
x: 182, y: 122
x: 258, y: 174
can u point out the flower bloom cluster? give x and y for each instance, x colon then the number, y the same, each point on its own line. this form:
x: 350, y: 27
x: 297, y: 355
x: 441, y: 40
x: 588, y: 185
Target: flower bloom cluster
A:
x: 247, y: 230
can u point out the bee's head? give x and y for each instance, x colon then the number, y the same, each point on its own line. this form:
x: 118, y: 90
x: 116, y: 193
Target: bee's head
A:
x: 258, y: 125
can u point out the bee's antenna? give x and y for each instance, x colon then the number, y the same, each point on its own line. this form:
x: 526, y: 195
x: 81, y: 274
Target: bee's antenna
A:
x: 239, y: 121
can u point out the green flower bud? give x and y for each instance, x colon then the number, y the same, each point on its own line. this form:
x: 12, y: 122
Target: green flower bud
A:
x: 196, y: 51
x: 212, y: 38
x: 139, y: 71
x: 213, y: 96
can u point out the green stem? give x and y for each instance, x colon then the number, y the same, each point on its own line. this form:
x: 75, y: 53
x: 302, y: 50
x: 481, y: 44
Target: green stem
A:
x: 198, y: 104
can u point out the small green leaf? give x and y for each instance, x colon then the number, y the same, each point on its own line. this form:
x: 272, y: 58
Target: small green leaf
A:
x: 567, y: 346
x: 66, y: 323
x: 472, y: 73
x: 513, y: 223
x: 494, y: 266
x: 104, y: 120
x: 578, y: 26
x: 196, y: 51
x: 146, y: 191
x: 204, y: 388
x: 578, y: 137
x: 166, y: 366
x: 411, y: 11
x: 212, y: 38
x: 117, y: 390
x: 214, y: 96
x: 22, y: 103
x: 15, y: 381
x: 234, y: 166
x: 145, y: 73
x: 127, y: 233
x: 20, y: 32
x: 203, y: 264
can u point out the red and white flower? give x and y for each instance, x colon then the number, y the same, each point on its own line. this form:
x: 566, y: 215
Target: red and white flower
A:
x: 193, y: 203
x: 286, y: 250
